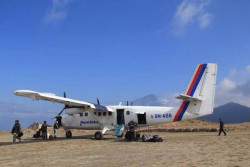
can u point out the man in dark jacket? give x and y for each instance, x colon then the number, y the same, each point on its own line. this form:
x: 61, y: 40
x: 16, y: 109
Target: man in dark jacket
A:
x: 15, y: 130
x: 222, y: 128
x: 44, y: 130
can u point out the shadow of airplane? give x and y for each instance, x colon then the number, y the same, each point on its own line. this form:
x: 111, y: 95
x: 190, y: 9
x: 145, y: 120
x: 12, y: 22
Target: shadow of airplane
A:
x: 33, y: 140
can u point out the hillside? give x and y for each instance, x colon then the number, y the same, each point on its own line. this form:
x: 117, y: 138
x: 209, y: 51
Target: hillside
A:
x: 230, y: 113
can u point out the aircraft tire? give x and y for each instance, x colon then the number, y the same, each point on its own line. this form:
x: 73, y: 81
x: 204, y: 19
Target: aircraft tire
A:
x: 98, y: 135
x: 68, y: 134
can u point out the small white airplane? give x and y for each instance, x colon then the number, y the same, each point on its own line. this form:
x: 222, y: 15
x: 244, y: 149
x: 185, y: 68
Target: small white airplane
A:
x: 198, y: 100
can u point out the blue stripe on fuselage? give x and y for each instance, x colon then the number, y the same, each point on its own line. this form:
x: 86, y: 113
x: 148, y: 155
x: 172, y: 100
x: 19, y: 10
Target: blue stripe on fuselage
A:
x: 183, y: 111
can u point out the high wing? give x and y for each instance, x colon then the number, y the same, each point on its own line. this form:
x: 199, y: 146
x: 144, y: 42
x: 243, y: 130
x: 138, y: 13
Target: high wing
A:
x: 53, y: 98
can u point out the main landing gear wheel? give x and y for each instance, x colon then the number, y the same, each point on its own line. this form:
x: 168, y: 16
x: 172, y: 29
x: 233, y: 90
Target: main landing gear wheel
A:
x: 98, y: 135
x: 68, y: 134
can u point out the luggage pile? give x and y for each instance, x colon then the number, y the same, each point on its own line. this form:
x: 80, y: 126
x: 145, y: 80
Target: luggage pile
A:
x: 38, y: 134
x: 132, y: 135
x: 150, y: 138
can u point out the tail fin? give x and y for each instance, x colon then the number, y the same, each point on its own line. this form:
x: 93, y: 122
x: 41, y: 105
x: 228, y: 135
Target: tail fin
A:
x: 199, y: 97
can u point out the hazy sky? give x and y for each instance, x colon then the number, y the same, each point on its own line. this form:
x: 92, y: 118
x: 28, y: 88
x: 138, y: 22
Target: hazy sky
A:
x: 122, y: 50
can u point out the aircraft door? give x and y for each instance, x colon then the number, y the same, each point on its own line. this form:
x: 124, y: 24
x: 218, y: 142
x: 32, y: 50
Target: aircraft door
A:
x: 120, y: 116
x: 142, y: 118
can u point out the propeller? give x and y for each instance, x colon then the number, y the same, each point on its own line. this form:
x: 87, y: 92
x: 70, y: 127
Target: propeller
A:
x: 127, y: 103
x: 65, y: 106
x: 98, y: 102
x: 59, y: 117
x: 59, y: 114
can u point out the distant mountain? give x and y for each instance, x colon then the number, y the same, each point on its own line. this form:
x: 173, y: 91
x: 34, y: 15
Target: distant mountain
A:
x: 150, y: 100
x: 230, y: 113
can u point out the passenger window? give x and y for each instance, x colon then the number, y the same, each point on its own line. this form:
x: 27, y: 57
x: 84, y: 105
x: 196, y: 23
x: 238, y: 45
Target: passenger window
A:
x: 81, y: 114
x: 127, y: 112
x: 110, y: 113
x: 104, y: 113
x: 86, y: 114
x: 99, y: 114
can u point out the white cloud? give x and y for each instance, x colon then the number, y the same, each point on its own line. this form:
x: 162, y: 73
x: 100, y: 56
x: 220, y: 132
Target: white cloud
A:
x: 189, y: 12
x: 205, y: 20
x: 234, y: 88
x: 57, y: 12
x: 227, y: 84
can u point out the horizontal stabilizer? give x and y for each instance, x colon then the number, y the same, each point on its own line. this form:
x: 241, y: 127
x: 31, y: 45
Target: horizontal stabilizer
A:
x: 188, y: 98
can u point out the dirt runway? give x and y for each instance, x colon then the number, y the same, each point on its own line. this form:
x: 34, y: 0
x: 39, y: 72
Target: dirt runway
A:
x: 178, y: 149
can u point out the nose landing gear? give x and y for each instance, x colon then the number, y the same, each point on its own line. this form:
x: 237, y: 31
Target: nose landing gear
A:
x: 98, y: 135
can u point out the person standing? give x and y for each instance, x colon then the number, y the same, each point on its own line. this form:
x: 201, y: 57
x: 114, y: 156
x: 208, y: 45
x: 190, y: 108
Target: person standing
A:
x: 55, y: 128
x: 15, y: 130
x: 222, y: 128
x: 44, y: 130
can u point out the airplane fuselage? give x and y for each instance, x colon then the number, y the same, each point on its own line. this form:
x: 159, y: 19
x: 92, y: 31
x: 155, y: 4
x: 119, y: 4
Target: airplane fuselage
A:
x: 77, y: 118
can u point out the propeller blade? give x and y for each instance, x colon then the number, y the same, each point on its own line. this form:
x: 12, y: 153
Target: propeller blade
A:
x: 127, y: 103
x: 64, y: 94
x: 61, y: 111
x: 98, y: 102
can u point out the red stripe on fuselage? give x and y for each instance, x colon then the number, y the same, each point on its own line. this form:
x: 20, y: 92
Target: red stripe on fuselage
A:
x: 179, y: 110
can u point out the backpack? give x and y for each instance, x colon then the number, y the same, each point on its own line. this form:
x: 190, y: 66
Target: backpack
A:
x: 157, y: 139
x: 20, y: 134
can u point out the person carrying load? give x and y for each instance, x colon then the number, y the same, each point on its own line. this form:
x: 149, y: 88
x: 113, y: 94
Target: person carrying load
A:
x: 16, y: 131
